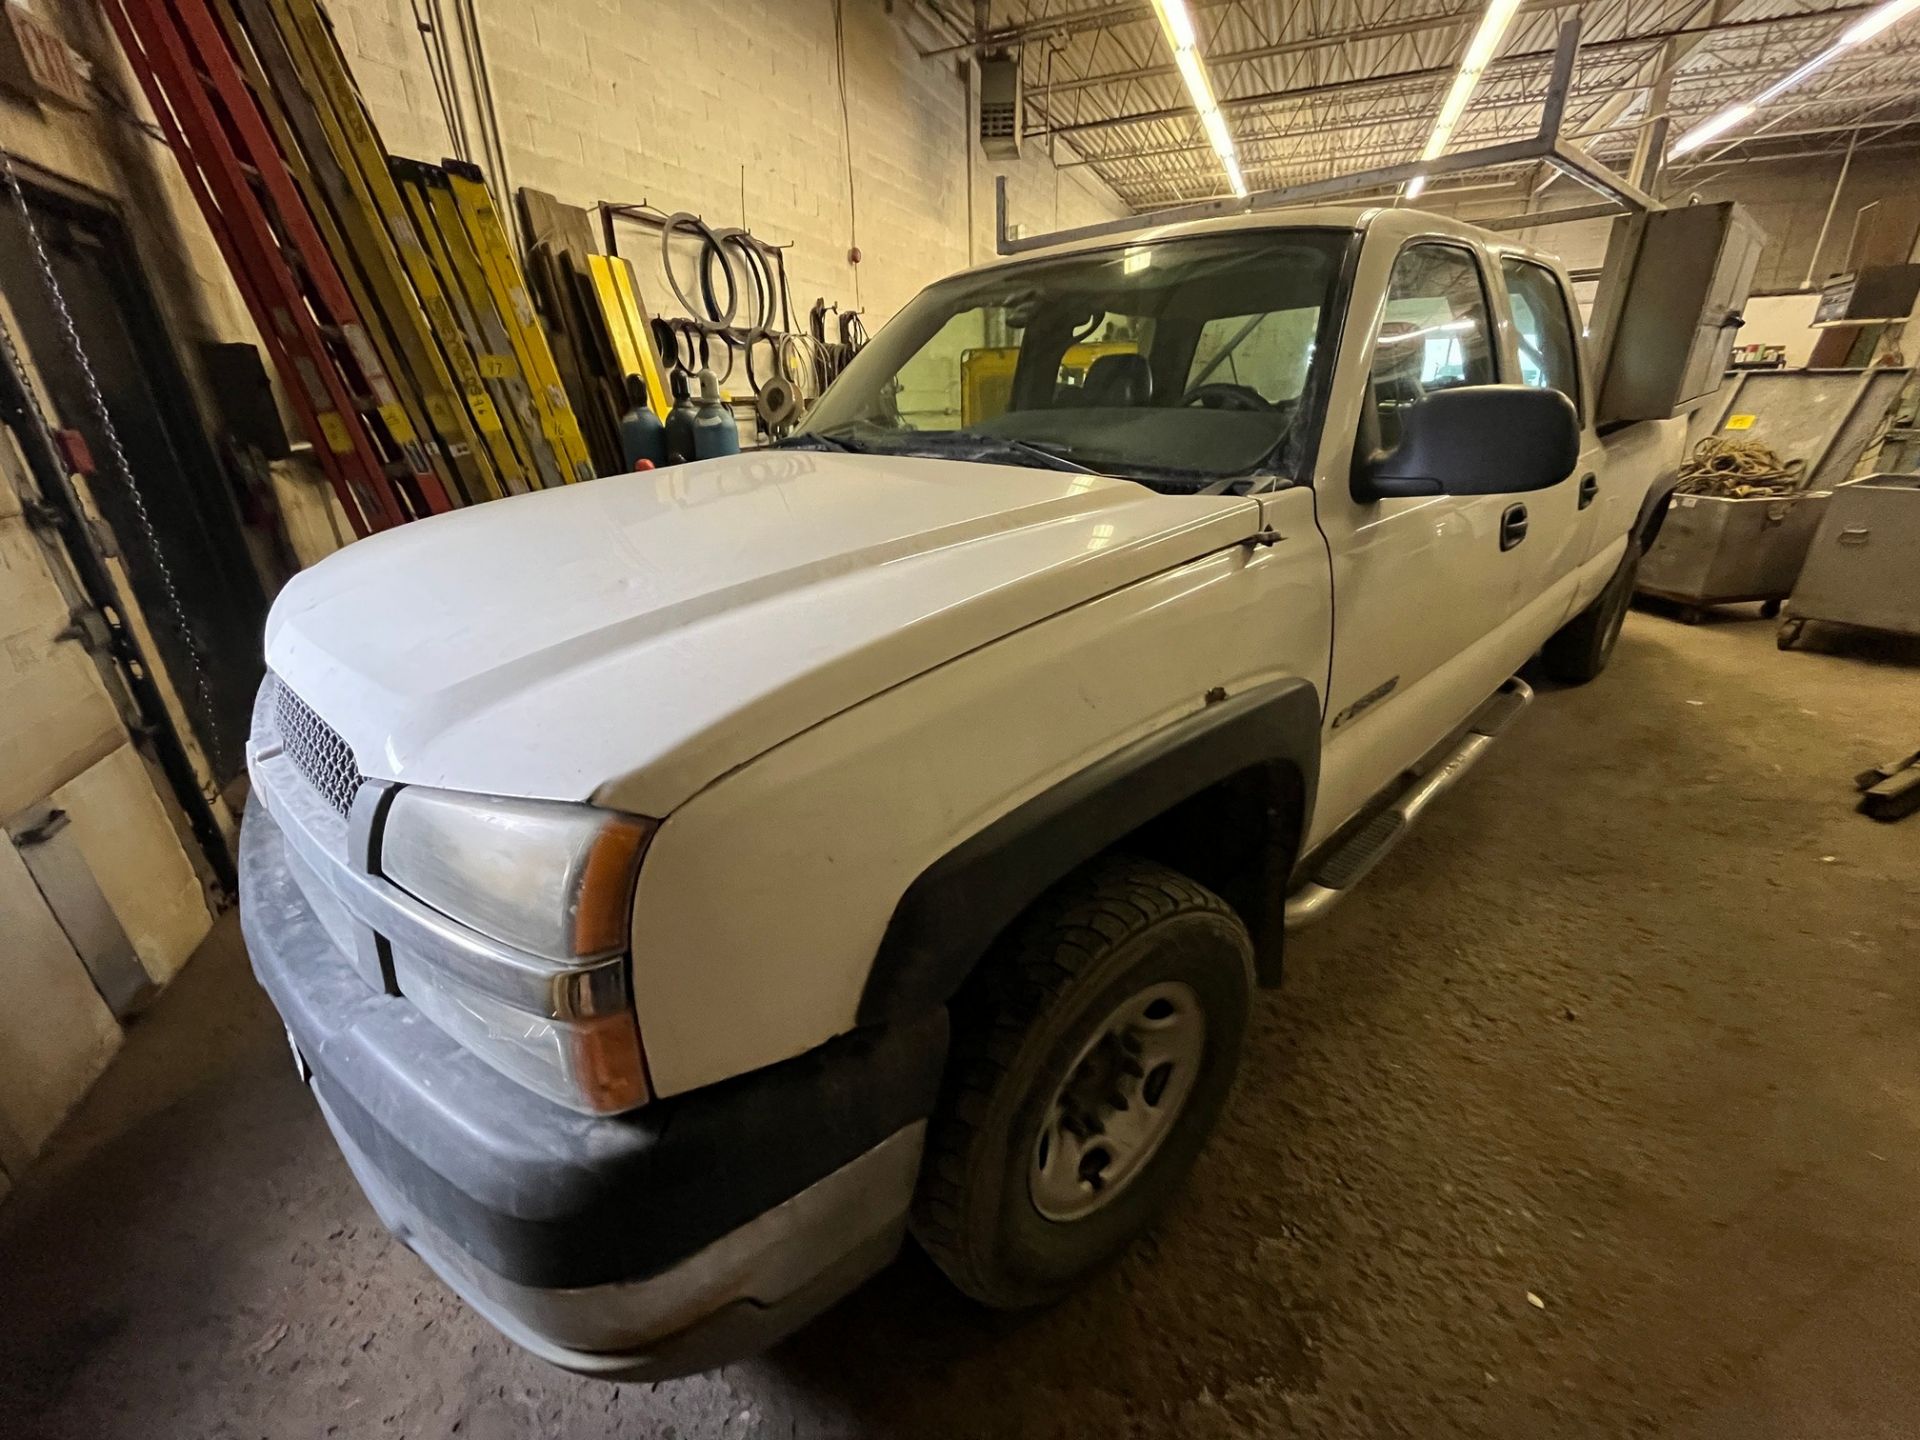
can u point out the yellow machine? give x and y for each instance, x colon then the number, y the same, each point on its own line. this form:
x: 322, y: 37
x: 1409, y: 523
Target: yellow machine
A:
x: 986, y: 374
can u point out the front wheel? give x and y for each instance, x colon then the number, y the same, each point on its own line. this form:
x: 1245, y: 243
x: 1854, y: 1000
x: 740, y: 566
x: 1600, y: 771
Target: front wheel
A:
x: 1092, y: 1054
x: 1580, y: 649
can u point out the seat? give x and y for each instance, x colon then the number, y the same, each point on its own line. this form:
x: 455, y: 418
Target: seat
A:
x: 1118, y: 380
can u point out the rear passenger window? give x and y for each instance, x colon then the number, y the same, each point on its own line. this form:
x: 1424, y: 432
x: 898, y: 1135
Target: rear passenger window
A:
x: 1434, y: 333
x: 1543, y: 326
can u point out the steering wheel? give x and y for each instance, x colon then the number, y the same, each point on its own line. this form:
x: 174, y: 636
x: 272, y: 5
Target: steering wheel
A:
x: 1224, y: 395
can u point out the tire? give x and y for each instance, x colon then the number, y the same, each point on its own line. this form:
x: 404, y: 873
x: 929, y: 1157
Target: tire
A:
x: 1580, y: 649
x: 1770, y: 609
x: 1033, y: 1039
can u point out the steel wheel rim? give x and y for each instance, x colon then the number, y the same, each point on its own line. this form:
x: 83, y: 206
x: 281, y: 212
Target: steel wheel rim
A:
x: 1121, y: 1098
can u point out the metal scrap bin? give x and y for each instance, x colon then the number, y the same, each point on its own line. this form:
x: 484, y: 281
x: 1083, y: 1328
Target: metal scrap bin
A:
x: 1900, y: 451
x: 1719, y: 551
x: 1825, y: 419
x: 1863, y: 567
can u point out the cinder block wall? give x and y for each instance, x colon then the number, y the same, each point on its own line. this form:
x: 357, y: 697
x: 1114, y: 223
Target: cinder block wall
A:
x: 734, y: 112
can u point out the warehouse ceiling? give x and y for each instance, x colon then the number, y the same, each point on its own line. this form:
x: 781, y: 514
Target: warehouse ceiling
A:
x: 1314, y: 88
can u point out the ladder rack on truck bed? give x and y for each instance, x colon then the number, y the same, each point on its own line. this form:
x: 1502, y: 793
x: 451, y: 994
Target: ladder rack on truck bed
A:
x: 1673, y: 321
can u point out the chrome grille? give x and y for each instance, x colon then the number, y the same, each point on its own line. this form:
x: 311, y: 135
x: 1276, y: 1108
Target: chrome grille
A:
x: 316, y: 749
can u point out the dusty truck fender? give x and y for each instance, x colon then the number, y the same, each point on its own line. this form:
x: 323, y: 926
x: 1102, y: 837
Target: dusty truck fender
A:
x: 767, y: 897
x: 1255, y: 754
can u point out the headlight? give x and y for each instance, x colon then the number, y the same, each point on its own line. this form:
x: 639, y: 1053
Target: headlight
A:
x: 544, y: 997
x: 594, y: 1065
x: 556, y: 880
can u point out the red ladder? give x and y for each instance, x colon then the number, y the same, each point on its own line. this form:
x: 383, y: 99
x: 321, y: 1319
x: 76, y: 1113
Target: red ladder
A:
x: 330, y: 371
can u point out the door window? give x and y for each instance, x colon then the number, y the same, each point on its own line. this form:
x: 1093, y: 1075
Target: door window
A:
x: 1434, y: 333
x: 1548, y: 359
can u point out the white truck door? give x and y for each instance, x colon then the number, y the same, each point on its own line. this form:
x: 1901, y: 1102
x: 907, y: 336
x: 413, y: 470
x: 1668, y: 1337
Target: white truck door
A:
x: 1424, y: 589
x: 1562, y: 534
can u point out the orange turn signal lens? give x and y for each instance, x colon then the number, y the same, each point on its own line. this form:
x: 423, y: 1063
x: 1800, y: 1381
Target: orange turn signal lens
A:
x: 609, y: 1066
x: 604, y: 903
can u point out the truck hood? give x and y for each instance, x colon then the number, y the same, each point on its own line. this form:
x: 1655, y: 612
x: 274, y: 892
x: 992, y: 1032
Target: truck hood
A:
x: 631, y: 639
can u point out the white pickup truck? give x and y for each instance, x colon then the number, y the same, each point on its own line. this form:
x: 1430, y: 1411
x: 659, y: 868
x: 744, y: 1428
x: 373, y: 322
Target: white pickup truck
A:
x: 676, y: 887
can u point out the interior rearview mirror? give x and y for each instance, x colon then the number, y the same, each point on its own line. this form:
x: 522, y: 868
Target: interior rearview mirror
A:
x: 1476, y: 440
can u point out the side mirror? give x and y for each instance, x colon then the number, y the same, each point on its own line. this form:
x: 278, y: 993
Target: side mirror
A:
x: 1476, y: 440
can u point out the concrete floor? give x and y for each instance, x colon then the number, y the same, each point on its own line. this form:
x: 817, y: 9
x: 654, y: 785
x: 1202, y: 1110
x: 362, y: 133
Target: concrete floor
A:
x: 1595, y: 1114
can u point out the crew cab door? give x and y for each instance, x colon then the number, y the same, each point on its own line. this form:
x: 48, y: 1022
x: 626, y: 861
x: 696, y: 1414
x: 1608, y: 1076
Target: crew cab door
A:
x: 1424, y: 588
x: 1540, y: 331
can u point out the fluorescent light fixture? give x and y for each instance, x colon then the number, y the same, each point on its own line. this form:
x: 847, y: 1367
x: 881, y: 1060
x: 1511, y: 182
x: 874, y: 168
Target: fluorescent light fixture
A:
x: 1215, y: 125
x: 1480, y: 52
x: 1194, y: 71
x: 1874, y: 21
x: 1231, y: 163
x: 1177, y: 24
x: 1713, y: 129
x: 1862, y: 30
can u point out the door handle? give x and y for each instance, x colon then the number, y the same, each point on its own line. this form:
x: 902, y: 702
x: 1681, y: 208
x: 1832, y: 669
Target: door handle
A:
x: 1589, y: 487
x: 1513, y: 526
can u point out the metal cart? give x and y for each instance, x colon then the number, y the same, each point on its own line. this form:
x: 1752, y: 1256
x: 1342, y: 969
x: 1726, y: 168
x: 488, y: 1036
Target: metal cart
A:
x: 1863, y: 568
x: 1716, y: 550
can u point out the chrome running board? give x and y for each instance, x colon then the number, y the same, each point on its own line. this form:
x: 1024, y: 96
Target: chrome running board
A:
x: 1354, y: 860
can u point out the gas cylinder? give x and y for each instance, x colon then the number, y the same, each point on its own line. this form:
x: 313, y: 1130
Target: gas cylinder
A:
x: 715, y: 431
x: 679, y: 426
x: 642, y: 436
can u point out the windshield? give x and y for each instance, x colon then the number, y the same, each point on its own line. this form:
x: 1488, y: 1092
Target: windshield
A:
x: 1180, y: 363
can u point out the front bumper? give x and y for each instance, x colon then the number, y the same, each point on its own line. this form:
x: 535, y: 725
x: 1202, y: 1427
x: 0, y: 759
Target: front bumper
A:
x: 691, y: 1231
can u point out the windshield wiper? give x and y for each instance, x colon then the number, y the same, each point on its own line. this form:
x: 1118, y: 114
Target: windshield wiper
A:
x: 1037, y: 452
x: 1043, y: 453
x: 814, y: 440
x: 938, y: 442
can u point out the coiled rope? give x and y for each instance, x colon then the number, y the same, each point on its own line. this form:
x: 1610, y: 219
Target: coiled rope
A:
x: 1737, y: 469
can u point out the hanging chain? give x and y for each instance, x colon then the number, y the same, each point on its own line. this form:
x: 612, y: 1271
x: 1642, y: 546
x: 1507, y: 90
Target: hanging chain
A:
x: 202, y: 686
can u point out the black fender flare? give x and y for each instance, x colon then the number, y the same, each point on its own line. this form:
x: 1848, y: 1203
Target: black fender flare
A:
x: 1653, y: 512
x: 1268, y: 736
